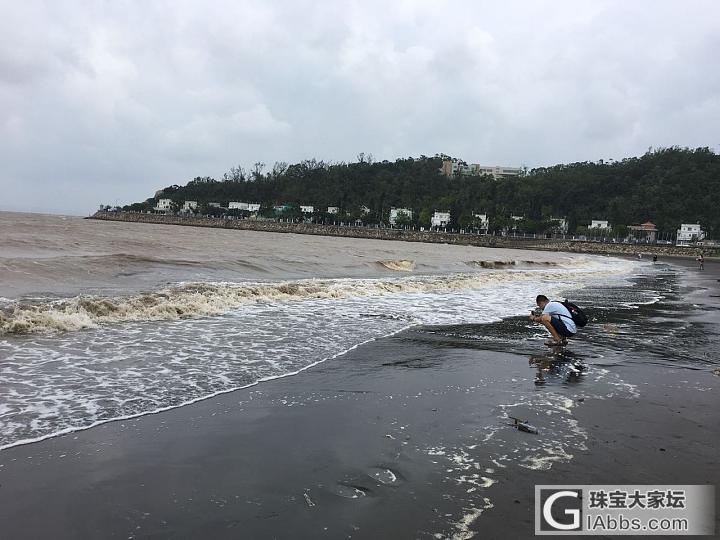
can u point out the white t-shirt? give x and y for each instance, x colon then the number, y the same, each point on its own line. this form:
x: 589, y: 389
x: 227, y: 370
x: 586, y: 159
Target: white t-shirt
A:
x: 556, y: 309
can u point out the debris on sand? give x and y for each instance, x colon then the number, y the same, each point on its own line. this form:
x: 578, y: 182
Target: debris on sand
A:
x: 522, y: 425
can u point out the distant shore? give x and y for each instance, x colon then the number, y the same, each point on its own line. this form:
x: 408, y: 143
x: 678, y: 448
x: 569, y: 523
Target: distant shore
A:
x: 544, y: 244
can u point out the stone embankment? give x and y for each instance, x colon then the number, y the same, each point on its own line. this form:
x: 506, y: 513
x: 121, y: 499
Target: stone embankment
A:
x: 545, y: 244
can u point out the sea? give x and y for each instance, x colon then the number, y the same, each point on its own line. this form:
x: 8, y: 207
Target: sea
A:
x: 102, y: 321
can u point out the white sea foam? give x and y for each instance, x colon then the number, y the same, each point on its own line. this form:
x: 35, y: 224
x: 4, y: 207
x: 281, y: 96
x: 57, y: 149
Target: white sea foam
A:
x: 188, y: 300
x: 62, y: 382
x: 72, y: 429
x: 462, y: 526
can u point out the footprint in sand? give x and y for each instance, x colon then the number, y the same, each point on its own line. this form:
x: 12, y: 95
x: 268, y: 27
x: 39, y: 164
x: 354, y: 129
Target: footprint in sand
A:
x: 383, y: 475
x: 350, y: 492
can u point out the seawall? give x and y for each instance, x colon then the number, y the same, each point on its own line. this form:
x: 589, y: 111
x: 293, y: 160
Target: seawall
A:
x: 544, y: 244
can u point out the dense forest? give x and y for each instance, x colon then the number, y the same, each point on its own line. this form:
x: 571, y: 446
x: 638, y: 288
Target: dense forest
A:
x: 666, y: 186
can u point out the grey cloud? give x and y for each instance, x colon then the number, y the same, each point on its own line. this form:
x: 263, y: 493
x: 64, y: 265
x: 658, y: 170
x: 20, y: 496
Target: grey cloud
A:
x: 106, y: 101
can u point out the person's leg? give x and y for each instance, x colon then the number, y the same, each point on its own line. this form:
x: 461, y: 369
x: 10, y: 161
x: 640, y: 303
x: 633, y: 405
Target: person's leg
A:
x: 546, y: 321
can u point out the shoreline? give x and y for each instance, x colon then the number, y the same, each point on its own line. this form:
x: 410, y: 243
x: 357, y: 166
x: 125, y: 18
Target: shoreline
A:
x: 71, y: 431
x: 540, y: 244
x: 389, y: 440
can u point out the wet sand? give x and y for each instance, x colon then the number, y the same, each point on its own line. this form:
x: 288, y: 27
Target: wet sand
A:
x: 390, y: 440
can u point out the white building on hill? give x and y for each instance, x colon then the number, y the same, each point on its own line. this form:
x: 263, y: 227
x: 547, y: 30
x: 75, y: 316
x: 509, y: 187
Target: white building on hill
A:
x: 689, y: 233
x: 250, y: 207
x: 453, y: 167
x: 395, y: 212
x: 440, y: 219
x: 163, y: 205
x: 482, y: 221
x: 333, y: 209
x: 305, y: 209
x: 599, y: 224
x: 190, y: 206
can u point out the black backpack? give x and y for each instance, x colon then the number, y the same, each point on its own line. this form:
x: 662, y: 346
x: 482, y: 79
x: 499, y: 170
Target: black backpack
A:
x: 577, y: 314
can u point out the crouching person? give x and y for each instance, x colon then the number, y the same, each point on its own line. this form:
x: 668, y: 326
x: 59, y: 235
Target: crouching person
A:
x: 556, y: 318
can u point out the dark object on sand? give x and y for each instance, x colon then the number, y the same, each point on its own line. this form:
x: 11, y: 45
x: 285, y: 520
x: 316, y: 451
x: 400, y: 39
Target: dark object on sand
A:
x: 522, y: 425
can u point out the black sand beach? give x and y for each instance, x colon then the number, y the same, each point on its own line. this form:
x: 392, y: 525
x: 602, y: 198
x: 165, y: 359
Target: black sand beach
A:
x: 403, y: 437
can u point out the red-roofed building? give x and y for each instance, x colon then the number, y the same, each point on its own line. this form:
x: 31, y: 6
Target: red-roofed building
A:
x: 646, y: 232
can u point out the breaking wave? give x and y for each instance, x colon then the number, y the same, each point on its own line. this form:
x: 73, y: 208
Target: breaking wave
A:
x: 506, y: 264
x: 400, y: 265
x: 204, y: 299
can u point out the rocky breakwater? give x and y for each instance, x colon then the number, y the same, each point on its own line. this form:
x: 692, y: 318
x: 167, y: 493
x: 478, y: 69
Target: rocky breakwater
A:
x: 405, y: 235
x: 602, y: 248
x: 321, y: 230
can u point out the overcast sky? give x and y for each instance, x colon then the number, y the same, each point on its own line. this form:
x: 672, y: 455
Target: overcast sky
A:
x: 105, y: 102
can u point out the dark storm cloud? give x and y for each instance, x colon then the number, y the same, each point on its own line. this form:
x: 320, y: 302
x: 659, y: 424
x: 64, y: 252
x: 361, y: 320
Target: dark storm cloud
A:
x: 108, y: 101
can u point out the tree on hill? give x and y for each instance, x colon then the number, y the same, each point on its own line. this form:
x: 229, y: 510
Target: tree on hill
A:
x: 667, y: 186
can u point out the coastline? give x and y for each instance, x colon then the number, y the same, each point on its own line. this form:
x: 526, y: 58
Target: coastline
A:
x: 542, y: 244
x: 402, y: 419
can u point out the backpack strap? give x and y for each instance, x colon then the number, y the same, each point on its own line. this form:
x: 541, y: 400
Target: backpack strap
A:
x: 560, y: 314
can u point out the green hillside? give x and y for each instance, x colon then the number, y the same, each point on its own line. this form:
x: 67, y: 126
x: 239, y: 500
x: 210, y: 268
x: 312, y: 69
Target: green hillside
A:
x: 666, y: 186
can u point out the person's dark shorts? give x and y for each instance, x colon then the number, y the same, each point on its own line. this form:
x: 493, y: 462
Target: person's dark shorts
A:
x: 560, y: 328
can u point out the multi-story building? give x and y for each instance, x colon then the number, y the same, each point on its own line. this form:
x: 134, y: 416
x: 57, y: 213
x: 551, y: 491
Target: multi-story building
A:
x: 305, y: 209
x: 190, y: 206
x: 689, y: 233
x: 333, y: 209
x: 440, y: 219
x: 163, y: 205
x: 646, y: 232
x: 454, y: 167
